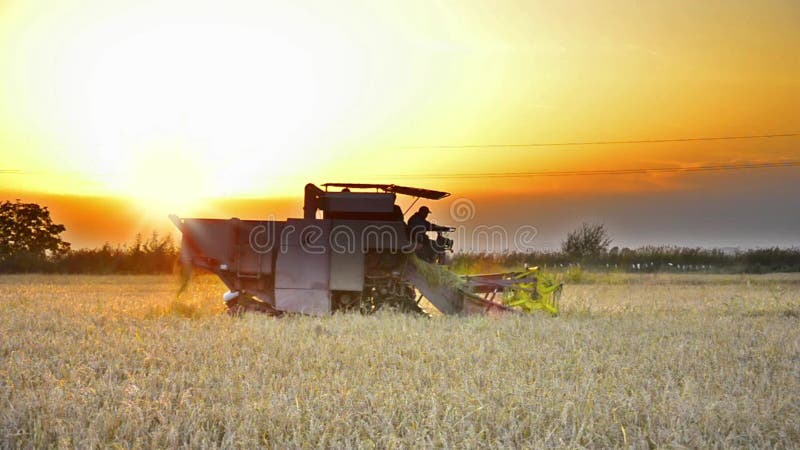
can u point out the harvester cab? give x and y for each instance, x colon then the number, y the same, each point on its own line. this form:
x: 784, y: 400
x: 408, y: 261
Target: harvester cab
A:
x: 351, y: 250
x: 377, y: 203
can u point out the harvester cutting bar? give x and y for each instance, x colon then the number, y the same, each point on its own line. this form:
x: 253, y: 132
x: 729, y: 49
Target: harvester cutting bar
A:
x: 498, y: 281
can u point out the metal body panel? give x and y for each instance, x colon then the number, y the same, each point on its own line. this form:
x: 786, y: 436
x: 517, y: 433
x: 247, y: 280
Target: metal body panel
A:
x: 251, y: 262
x: 312, y: 234
x: 349, y: 235
x: 373, y: 202
x: 347, y: 271
x: 255, y: 258
x: 296, y: 269
x: 226, y: 244
x: 303, y: 260
x: 315, y: 302
x: 209, y: 238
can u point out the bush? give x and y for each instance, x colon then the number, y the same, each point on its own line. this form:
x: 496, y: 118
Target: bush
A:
x: 589, y: 241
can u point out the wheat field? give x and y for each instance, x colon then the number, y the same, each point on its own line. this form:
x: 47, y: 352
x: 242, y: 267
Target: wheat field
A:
x: 637, y: 361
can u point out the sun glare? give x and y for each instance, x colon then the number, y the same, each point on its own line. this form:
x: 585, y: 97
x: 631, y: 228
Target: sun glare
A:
x: 178, y: 112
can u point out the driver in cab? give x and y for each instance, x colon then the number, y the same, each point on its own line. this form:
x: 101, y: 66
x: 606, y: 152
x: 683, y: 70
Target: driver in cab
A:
x: 418, y: 226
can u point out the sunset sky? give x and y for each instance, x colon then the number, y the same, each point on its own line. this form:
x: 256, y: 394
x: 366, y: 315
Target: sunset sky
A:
x: 116, y: 113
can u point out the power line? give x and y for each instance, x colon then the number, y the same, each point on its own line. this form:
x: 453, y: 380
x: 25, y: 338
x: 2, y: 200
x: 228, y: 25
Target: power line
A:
x: 577, y: 143
x: 566, y: 173
x: 561, y: 173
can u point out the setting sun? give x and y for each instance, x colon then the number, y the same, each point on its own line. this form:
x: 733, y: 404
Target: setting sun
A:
x: 172, y: 107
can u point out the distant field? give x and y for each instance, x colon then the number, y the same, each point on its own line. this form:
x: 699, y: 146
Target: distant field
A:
x: 634, y: 360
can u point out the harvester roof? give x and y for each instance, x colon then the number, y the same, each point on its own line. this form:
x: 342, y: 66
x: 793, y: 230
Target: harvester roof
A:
x: 393, y: 188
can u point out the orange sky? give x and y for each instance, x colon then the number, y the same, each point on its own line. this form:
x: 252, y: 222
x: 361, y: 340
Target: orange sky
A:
x: 163, y: 106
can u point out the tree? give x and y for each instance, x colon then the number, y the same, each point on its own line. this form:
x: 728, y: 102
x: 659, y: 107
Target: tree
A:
x: 28, y: 233
x: 589, y: 241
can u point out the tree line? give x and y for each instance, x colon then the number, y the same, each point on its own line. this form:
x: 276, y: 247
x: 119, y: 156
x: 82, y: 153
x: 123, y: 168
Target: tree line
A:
x: 646, y: 259
x: 590, y: 247
x: 31, y: 242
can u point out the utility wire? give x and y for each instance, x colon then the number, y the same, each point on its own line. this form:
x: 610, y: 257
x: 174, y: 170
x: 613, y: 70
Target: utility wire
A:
x: 566, y: 173
x: 577, y: 143
x: 569, y: 173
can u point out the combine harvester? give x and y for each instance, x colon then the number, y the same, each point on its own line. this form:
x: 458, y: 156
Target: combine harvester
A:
x: 358, y: 256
